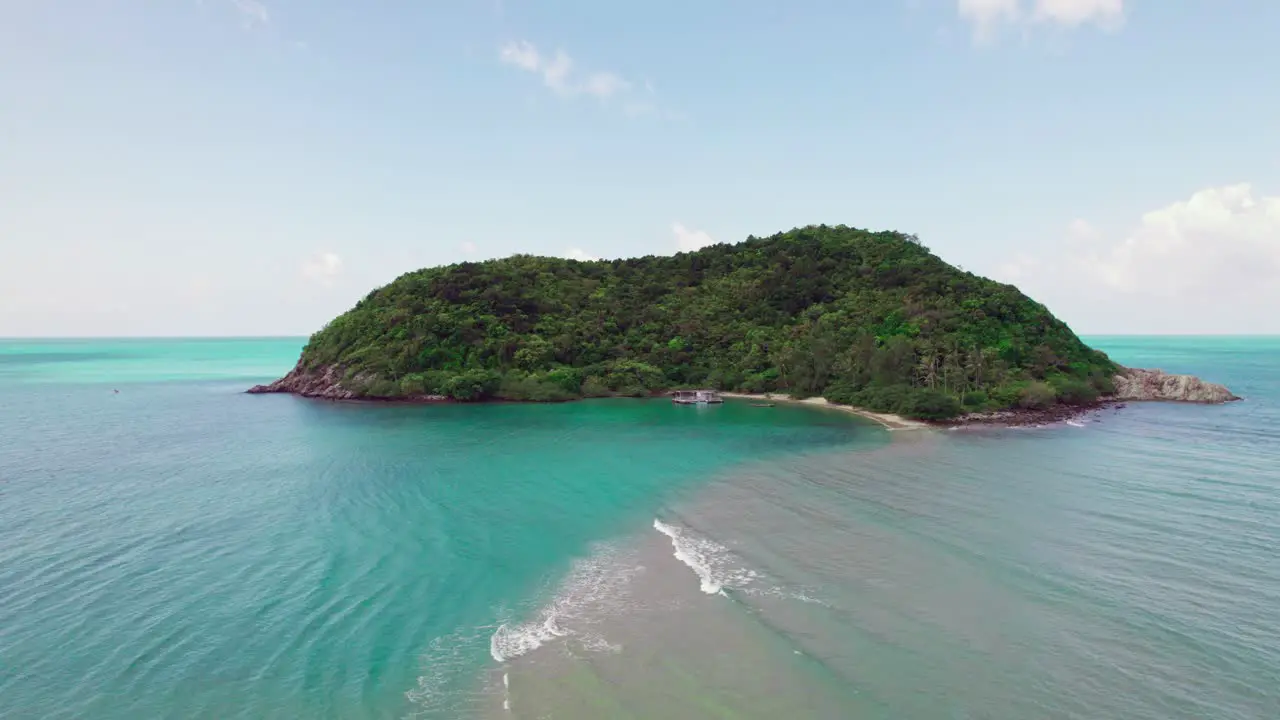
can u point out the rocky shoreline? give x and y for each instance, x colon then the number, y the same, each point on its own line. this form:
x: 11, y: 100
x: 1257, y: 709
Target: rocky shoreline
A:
x: 1132, y: 385
x: 1028, y: 417
x: 327, y: 385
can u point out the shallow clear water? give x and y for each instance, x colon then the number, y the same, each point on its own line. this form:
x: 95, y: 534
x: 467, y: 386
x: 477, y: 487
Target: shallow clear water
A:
x: 180, y: 549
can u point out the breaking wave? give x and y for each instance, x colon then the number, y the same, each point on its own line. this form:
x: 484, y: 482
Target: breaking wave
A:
x: 713, y: 563
x: 595, y: 585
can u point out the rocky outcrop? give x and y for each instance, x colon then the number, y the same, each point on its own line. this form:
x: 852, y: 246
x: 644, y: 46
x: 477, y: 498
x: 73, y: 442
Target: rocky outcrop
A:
x: 326, y: 383
x: 1137, y: 384
x: 1131, y: 384
x: 323, y: 382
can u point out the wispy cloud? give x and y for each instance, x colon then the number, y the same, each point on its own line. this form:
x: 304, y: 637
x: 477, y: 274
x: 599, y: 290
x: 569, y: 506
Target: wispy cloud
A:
x: 989, y: 17
x: 559, y: 74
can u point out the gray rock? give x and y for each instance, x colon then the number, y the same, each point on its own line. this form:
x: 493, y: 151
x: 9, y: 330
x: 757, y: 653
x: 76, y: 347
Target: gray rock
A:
x: 325, y: 382
x: 1138, y: 384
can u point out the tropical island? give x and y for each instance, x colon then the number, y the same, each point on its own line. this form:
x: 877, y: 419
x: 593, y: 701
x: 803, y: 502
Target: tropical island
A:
x: 867, y: 319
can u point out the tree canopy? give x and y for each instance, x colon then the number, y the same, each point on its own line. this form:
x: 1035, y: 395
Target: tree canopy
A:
x: 868, y: 318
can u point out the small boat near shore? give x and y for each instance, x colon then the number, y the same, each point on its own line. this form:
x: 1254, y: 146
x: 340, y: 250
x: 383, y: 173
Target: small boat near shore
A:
x: 762, y: 404
x: 696, y: 397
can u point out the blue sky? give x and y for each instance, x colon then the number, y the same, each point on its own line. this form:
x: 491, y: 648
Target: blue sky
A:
x: 234, y: 167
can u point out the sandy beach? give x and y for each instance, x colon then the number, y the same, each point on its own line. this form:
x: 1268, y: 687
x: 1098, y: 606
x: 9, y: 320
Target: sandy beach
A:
x: 889, y: 420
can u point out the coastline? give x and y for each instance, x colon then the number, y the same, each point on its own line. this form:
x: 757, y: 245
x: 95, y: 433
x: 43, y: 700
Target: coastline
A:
x: 888, y: 420
x: 1013, y: 417
x: 1132, y: 385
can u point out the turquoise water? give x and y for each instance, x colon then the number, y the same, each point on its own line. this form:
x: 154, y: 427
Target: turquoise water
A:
x: 180, y: 549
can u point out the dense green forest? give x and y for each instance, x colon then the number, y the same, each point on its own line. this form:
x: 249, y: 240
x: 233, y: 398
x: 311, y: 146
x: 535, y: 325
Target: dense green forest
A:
x: 867, y: 318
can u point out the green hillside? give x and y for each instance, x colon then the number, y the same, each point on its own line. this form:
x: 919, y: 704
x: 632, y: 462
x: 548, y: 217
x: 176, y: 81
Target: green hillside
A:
x: 868, y: 318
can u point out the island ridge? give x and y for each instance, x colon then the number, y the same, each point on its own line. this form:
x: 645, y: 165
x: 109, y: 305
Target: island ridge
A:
x: 861, y: 318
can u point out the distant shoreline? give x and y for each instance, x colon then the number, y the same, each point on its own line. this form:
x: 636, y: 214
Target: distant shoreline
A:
x: 1132, y: 384
x: 995, y: 419
x: 888, y: 420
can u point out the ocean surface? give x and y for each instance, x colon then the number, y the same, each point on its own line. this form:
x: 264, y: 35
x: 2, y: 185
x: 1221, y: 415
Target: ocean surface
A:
x: 173, y: 548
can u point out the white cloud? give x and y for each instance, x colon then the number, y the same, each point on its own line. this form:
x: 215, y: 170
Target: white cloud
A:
x: 987, y: 17
x: 322, y: 268
x: 253, y: 12
x: 558, y: 72
x: 1210, y: 263
x: 688, y: 240
x: 579, y: 254
x: 468, y: 248
x: 522, y: 54
x: 604, y: 84
x: 1222, y: 240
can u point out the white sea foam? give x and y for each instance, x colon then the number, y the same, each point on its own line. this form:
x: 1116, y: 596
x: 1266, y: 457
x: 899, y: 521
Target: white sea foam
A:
x: 694, y: 554
x: 1073, y: 423
x: 594, y: 586
x: 511, y: 641
x: 712, y: 562
x: 597, y: 588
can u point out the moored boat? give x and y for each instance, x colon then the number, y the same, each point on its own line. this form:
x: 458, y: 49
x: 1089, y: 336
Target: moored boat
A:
x: 696, y: 397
